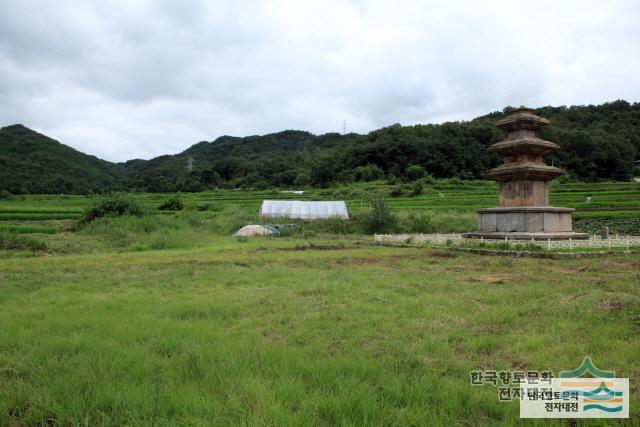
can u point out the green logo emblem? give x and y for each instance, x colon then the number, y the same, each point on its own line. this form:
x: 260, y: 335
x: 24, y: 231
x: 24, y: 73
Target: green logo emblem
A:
x: 587, y: 367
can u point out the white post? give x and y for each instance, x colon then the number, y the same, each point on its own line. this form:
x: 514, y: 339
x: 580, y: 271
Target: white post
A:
x: 548, y: 243
x: 570, y: 244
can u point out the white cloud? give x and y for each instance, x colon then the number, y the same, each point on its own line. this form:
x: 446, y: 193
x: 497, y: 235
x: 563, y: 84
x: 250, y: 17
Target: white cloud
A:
x: 124, y: 79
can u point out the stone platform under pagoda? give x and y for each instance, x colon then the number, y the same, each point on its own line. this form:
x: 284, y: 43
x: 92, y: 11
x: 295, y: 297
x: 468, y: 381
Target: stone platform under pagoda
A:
x: 524, y: 211
x: 526, y: 222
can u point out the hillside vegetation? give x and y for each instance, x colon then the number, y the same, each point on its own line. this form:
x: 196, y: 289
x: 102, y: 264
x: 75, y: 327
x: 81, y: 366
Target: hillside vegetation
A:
x: 34, y: 163
x: 598, y: 143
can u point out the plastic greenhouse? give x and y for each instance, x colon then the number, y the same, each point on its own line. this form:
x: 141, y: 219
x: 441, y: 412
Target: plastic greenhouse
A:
x: 303, y: 210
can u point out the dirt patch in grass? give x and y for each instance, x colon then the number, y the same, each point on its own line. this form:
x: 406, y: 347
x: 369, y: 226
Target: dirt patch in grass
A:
x: 357, y: 261
x: 616, y: 303
x: 321, y: 248
x: 571, y: 298
x: 493, y: 279
x: 570, y: 270
x: 616, y: 265
x: 612, y: 304
x: 461, y: 267
x: 386, y: 261
x: 491, y: 328
x: 443, y: 254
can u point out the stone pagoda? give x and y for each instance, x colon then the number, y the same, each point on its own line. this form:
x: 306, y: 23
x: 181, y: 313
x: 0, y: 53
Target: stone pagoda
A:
x: 524, y: 211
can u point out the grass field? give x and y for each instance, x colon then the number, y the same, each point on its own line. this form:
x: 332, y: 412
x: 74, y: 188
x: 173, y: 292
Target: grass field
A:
x: 253, y: 334
x: 165, y: 319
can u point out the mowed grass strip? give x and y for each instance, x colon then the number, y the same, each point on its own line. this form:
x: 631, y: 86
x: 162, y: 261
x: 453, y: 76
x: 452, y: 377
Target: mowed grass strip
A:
x: 376, y: 336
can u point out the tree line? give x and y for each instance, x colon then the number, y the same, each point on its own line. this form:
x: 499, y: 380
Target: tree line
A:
x: 598, y: 142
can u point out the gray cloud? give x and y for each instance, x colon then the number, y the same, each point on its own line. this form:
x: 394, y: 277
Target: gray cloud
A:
x: 123, y: 79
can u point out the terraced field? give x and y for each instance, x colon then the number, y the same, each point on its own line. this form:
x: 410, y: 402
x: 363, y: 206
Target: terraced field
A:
x: 608, y: 200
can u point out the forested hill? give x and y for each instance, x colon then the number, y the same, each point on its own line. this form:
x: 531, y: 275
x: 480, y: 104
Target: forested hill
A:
x: 598, y: 142
x: 34, y: 163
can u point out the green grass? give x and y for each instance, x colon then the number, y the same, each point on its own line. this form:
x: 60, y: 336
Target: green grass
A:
x: 165, y: 319
x: 27, y: 229
x: 442, y: 195
x: 244, y: 333
x: 444, y: 207
x: 26, y: 216
x: 606, y: 214
x: 13, y: 241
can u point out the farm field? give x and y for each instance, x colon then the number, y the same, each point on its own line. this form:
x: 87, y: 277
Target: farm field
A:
x: 605, y: 198
x: 165, y: 319
x: 613, y: 199
x: 443, y: 207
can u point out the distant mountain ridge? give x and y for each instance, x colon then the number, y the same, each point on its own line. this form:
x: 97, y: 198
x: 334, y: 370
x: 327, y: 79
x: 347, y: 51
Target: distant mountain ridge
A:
x: 598, y: 142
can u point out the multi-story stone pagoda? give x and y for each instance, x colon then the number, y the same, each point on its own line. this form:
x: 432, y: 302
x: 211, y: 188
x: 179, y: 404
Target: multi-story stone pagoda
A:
x: 524, y: 211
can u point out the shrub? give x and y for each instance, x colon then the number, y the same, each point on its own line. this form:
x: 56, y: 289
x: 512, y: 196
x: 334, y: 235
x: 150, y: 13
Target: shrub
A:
x: 211, y: 207
x: 302, y: 180
x: 415, y: 172
x: 417, y: 188
x: 4, y: 194
x: 420, y: 223
x: 453, y: 222
x: 380, y: 219
x: 193, y: 219
x: 428, y: 180
x: 173, y: 204
x: 367, y: 173
x: 333, y: 225
x: 116, y: 204
x: 170, y: 239
x: 111, y: 230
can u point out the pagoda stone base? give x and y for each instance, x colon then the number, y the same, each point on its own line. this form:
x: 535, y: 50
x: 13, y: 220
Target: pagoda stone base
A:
x: 525, y: 223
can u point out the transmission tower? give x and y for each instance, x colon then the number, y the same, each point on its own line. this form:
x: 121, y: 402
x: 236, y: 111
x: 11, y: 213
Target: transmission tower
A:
x: 190, y: 164
x: 344, y: 127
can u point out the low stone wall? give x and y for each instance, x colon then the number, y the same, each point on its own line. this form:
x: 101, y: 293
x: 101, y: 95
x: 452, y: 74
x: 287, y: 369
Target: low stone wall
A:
x: 458, y: 240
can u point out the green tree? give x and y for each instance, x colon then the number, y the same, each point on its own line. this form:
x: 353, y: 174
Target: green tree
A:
x: 415, y: 172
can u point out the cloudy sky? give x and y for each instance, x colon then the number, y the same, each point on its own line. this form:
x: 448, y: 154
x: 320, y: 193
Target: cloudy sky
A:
x: 135, y: 79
